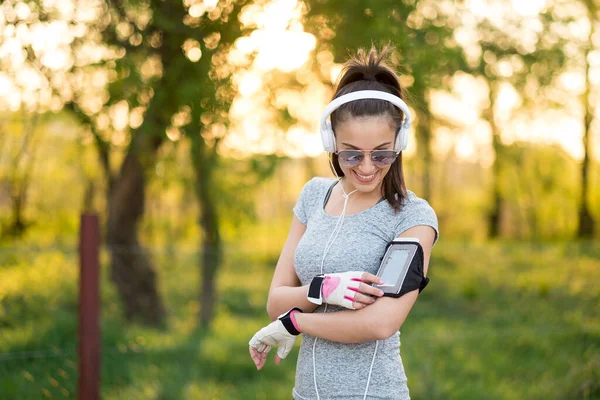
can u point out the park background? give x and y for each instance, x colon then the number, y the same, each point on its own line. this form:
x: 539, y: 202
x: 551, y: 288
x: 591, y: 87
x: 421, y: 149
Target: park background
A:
x: 189, y: 127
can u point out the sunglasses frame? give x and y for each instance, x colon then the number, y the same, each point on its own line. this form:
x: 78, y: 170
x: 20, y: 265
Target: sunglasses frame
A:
x: 370, y: 153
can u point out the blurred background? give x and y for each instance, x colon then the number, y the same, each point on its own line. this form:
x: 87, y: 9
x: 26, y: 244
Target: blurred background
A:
x: 189, y: 127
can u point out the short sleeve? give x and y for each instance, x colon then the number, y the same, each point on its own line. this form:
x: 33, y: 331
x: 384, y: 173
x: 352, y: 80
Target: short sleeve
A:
x: 417, y: 212
x: 303, y: 204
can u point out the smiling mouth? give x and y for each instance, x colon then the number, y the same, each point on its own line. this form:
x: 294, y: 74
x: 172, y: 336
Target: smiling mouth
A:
x: 365, y: 178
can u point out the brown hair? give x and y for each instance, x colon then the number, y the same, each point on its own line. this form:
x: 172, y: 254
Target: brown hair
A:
x: 368, y: 71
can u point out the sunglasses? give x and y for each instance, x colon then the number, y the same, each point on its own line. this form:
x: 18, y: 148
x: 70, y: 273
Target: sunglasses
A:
x: 380, y: 158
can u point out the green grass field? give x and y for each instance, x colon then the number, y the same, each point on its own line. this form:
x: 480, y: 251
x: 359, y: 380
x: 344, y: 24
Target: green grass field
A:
x: 498, y: 321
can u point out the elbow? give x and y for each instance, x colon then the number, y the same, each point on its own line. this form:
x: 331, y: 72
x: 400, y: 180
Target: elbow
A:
x: 271, y: 309
x: 385, y: 330
x: 379, y: 325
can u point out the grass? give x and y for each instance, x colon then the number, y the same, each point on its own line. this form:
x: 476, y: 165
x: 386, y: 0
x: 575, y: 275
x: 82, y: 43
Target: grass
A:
x: 501, y: 320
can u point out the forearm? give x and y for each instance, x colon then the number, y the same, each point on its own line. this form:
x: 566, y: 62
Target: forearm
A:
x: 282, y: 298
x: 375, y: 322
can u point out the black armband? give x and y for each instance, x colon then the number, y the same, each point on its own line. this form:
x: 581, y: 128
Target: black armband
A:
x: 402, y: 268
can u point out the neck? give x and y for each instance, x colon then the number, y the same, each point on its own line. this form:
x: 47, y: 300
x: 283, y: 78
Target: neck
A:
x: 348, y: 189
x: 346, y: 193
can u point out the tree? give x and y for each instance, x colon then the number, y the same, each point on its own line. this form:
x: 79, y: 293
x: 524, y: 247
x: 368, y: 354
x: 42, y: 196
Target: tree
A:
x: 421, y: 31
x: 18, y: 160
x: 525, y: 54
x: 578, y: 25
x: 586, y: 226
x: 136, y: 73
x: 184, y: 41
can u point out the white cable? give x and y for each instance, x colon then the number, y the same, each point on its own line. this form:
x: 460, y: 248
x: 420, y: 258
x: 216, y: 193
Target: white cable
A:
x: 334, y: 233
x: 338, y: 226
x: 371, y: 370
x: 315, y: 363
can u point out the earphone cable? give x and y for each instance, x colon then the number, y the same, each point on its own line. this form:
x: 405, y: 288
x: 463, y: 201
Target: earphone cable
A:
x: 336, y: 230
x: 371, y: 370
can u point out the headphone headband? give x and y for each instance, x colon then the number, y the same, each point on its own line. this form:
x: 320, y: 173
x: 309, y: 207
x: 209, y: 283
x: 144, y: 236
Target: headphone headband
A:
x: 327, y: 134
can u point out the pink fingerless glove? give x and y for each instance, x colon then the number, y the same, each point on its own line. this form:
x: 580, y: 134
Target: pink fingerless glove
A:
x: 335, y: 289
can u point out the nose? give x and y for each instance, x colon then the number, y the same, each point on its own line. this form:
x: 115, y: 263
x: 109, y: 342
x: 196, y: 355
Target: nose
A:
x: 366, y: 166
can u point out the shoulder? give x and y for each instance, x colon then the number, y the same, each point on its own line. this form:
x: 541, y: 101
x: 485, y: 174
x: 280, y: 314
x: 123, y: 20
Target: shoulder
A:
x: 316, y: 187
x: 415, y: 211
x: 414, y: 204
x: 312, y: 195
x: 318, y: 183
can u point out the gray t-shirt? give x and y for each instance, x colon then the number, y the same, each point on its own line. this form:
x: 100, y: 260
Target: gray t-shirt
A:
x: 342, y: 369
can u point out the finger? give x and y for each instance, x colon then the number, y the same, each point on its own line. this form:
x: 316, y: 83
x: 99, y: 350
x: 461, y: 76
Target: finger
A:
x: 348, y: 302
x: 370, y: 278
x: 363, y: 299
x: 277, y: 359
x: 255, y: 356
x: 260, y: 360
x: 261, y: 347
x: 368, y: 289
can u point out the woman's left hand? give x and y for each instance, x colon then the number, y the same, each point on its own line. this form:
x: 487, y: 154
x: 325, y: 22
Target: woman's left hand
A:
x: 280, y: 333
x: 260, y: 357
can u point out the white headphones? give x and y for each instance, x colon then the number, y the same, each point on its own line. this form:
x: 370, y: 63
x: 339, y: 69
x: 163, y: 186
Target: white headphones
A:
x: 327, y: 135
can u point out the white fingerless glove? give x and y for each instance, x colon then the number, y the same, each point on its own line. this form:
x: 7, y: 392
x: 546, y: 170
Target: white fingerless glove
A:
x: 336, y: 289
x: 281, y: 333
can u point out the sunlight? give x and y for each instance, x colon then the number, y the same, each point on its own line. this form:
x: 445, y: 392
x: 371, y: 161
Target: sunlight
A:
x: 5, y: 84
x: 491, y: 8
x: 279, y: 40
x: 549, y: 128
x: 277, y: 43
x: 529, y: 7
x: 465, y: 148
x: 285, y: 50
x: 303, y: 142
x: 249, y: 83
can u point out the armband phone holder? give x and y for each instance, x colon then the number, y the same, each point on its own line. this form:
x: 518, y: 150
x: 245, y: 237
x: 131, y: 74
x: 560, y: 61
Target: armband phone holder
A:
x: 402, y: 268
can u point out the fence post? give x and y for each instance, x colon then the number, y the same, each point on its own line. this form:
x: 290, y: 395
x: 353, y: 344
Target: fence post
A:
x: 89, y: 309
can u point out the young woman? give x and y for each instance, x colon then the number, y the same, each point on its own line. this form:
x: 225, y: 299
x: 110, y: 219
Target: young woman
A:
x: 340, y: 229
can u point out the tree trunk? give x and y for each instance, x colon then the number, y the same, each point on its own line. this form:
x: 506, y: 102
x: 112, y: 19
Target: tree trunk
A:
x: 494, y: 215
x: 586, y: 222
x: 497, y: 205
x: 17, y: 224
x: 19, y: 180
x: 131, y: 268
x: 211, y: 257
x: 424, y: 151
x: 204, y: 163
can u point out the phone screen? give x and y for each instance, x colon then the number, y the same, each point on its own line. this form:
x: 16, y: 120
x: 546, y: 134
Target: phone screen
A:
x: 394, y: 266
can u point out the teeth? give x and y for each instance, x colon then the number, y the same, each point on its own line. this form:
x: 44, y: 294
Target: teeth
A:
x: 365, y: 178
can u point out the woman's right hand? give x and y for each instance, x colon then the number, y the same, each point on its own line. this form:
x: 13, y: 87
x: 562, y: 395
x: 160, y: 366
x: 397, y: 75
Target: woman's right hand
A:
x: 353, y: 289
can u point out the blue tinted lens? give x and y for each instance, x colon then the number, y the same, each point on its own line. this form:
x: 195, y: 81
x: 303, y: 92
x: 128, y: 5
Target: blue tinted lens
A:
x: 350, y: 158
x: 383, y: 157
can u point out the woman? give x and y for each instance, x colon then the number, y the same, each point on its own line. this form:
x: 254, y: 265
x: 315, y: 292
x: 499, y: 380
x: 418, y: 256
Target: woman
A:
x: 340, y: 229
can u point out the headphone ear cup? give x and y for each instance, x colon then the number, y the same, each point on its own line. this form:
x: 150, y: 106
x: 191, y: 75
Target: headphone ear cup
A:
x: 328, y: 138
x: 401, y: 140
